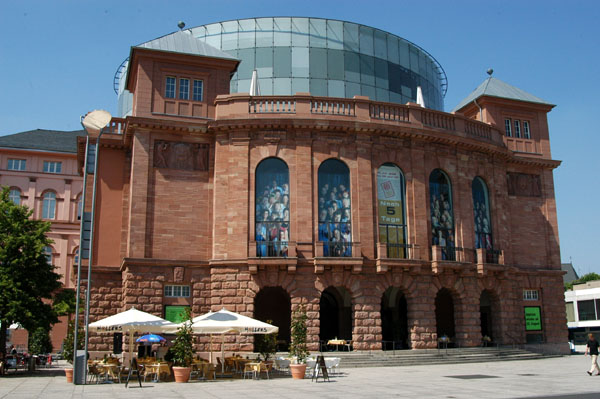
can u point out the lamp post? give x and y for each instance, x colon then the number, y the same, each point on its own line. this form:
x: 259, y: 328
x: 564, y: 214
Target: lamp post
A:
x: 93, y: 123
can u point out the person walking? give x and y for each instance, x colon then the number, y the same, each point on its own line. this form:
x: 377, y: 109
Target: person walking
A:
x: 592, y: 349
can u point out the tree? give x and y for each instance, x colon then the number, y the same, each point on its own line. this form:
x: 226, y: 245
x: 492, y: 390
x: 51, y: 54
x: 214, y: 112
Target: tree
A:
x: 27, y: 280
x: 298, y: 347
x: 266, y: 344
x: 39, y: 342
x: 69, y: 341
x: 183, y: 347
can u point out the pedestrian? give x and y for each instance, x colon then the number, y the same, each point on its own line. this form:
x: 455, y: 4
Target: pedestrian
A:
x: 592, y: 349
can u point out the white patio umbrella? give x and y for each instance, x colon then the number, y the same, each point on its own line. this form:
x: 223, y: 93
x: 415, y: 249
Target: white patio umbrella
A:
x: 225, y: 321
x: 131, y: 321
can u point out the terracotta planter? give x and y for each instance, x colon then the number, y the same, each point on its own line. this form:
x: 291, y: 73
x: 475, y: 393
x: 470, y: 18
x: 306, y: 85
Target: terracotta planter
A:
x: 298, y: 371
x: 69, y: 374
x: 182, y: 374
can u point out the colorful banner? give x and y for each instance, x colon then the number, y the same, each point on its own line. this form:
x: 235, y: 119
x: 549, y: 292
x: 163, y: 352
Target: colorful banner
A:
x: 533, y: 318
x: 175, y: 314
x: 389, y: 195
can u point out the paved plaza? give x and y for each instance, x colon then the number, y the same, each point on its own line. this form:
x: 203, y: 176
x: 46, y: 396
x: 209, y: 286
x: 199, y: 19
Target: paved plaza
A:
x: 563, y: 377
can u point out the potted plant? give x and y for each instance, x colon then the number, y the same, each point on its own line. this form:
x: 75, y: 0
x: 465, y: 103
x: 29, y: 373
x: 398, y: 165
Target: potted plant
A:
x: 266, y: 344
x: 183, y: 350
x: 298, y: 347
x: 68, y: 344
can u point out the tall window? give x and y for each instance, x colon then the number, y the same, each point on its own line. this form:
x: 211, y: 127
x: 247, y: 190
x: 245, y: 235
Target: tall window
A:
x: 52, y: 167
x: 508, y: 127
x: 184, y: 89
x: 442, y: 214
x: 481, y: 214
x: 48, y: 254
x: 518, y: 129
x: 170, y: 87
x: 526, y: 131
x: 272, y: 213
x: 16, y: 164
x: 390, y: 201
x: 335, y: 228
x: 76, y: 257
x: 15, y: 196
x: 49, y: 205
x: 198, y: 90
x: 79, y: 207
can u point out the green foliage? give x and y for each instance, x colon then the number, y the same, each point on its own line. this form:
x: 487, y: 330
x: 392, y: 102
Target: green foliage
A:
x: 298, y: 347
x: 39, y: 341
x: 64, y: 302
x: 266, y: 344
x: 583, y: 279
x: 183, y: 347
x: 26, y: 279
x: 69, y: 341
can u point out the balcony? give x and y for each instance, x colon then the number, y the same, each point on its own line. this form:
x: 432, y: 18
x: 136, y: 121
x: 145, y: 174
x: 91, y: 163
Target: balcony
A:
x: 272, y: 253
x: 391, y: 255
x: 357, y: 109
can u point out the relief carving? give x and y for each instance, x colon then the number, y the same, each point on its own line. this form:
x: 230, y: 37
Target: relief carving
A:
x: 178, y: 274
x: 182, y: 156
x: 524, y: 185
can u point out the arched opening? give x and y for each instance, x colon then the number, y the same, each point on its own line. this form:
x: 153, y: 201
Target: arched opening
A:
x: 272, y: 213
x: 390, y: 210
x: 442, y: 214
x: 335, y: 315
x: 14, y: 195
x: 394, y: 320
x: 49, y: 205
x: 273, y: 303
x: 481, y: 219
x: 335, y: 213
x: 444, y: 314
x: 489, y: 309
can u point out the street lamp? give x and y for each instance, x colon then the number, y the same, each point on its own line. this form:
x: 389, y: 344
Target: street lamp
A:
x: 94, y: 123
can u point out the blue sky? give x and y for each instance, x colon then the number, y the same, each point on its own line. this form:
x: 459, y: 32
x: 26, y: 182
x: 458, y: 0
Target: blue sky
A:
x: 58, y: 59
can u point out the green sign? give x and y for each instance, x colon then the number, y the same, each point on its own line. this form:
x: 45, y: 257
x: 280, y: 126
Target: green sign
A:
x: 175, y: 314
x: 533, y: 318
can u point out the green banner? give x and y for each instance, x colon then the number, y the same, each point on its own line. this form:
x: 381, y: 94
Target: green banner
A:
x: 175, y: 314
x: 533, y: 318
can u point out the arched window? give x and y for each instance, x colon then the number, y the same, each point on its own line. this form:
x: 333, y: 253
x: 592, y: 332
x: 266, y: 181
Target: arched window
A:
x: 49, y: 205
x: 272, y: 213
x: 15, y: 196
x: 335, y: 211
x: 48, y: 254
x: 442, y: 214
x: 79, y: 206
x: 481, y: 214
x: 390, y: 204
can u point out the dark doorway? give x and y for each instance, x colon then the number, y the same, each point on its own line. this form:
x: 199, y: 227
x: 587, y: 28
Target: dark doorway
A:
x: 444, y: 314
x: 273, y: 303
x: 335, y: 315
x: 394, y: 320
x: 486, y: 312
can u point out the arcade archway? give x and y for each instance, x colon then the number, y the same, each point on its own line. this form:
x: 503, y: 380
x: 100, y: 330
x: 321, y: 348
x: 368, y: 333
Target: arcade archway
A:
x: 394, y: 320
x: 335, y: 314
x: 273, y: 303
x: 444, y: 314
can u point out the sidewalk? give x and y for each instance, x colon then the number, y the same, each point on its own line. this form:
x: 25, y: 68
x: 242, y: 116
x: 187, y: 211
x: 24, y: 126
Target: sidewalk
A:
x: 563, y: 378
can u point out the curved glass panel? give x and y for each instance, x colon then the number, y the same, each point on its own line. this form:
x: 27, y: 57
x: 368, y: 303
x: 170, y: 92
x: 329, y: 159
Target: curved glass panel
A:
x: 481, y: 215
x: 49, y: 205
x: 335, y: 212
x: 442, y: 214
x: 385, y: 66
x: 390, y: 205
x: 272, y: 213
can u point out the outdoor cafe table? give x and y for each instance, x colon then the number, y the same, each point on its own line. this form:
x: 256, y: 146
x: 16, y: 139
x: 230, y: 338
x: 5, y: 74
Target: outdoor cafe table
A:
x: 336, y: 342
x: 111, y: 370
x: 158, y: 369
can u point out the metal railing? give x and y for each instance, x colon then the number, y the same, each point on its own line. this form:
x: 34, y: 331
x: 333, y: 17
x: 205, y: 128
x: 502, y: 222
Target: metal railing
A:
x: 272, y: 249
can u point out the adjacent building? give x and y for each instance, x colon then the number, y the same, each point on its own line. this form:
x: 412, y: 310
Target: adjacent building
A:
x: 393, y: 224
x: 40, y: 169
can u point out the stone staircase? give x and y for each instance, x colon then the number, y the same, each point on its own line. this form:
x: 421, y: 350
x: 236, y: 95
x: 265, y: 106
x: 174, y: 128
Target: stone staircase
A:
x: 432, y: 356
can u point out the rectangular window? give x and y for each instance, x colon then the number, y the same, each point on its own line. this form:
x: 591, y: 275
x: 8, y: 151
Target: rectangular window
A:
x: 570, y: 312
x: 16, y: 164
x: 52, y: 167
x: 197, y: 95
x: 586, y: 310
x: 530, y: 295
x: 184, y: 89
x: 508, y: 127
x: 177, y: 291
x: 517, y: 129
x: 526, y: 132
x: 170, y: 87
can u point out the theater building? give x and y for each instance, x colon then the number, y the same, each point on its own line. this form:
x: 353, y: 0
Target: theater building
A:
x: 393, y: 223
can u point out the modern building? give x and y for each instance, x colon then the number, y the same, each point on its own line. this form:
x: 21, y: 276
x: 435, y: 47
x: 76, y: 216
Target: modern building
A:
x: 583, y: 312
x: 393, y: 224
x: 40, y: 168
